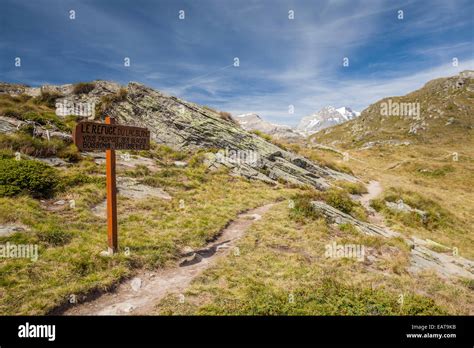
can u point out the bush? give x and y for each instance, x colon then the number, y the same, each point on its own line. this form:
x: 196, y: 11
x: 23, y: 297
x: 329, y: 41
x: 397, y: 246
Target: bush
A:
x: 262, y: 135
x: 6, y: 154
x: 30, y: 146
x: 12, y: 113
x: 35, y: 178
x: 303, y: 209
x: 83, y: 87
x: 70, y: 154
x: 48, y: 98
x: 43, y: 118
x: 354, y: 188
x: 339, y: 199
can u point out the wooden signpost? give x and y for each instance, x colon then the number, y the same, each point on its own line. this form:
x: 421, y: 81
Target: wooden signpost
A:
x: 108, y: 136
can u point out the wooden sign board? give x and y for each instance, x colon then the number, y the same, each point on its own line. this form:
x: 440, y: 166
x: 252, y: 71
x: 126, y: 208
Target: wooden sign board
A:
x: 90, y: 136
x: 109, y: 137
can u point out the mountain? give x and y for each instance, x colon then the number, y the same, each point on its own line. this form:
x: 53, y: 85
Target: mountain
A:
x: 176, y: 123
x: 326, y: 117
x: 253, y: 122
x: 438, y: 113
x: 178, y: 206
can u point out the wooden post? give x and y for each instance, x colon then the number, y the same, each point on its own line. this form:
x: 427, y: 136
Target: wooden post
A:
x: 89, y: 136
x: 111, y: 196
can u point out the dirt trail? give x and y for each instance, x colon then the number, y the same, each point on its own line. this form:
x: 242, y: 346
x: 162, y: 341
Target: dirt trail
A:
x: 139, y: 295
x: 374, y: 189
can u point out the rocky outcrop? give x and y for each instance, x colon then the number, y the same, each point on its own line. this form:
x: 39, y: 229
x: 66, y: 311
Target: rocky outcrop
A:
x: 336, y: 216
x: 184, y: 125
x: 11, y: 125
x: 422, y: 258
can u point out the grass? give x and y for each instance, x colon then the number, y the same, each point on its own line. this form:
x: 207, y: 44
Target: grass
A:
x: 435, y: 217
x: 153, y: 230
x: 40, y: 110
x: 448, y: 199
x: 83, y: 87
x: 335, y: 197
x: 37, y: 147
x: 406, y: 172
x: 354, y: 188
x: 262, y: 135
x: 281, y: 269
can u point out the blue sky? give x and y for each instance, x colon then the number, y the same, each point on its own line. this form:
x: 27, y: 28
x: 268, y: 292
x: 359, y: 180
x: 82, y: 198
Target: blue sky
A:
x: 283, y: 62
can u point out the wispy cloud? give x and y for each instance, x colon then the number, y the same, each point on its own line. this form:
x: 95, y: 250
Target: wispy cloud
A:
x: 282, y: 62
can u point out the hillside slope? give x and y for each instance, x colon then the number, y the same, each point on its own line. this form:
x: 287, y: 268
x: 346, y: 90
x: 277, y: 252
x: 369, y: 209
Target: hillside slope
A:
x: 441, y: 112
x: 184, y: 125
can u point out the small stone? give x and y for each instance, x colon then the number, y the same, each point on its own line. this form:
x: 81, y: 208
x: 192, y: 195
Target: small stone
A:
x: 128, y: 308
x: 7, y: 230
x: 136, y: 284
x: 187, y: 250
x: 191, y: 260
x: 180, y: 164
x: 222, y: 246
x: 104, y: 253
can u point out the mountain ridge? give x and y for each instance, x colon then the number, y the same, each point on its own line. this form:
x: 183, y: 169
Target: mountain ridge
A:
x: 327, y: 117
x: 185, y: 125
x: 439, y: 112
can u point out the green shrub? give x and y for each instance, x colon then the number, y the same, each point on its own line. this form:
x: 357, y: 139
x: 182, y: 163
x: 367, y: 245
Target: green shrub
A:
x: 262, y: 135
x: 6, y: 153
x: 30, y: 146
x: 12, y: 113
x: 35, y: 178
x: 44, y: 118
x: 83, y: 87
x: 70, y: 154
x: 302, y: 207
x: 354, y: 188
x: 339, y: 199
x: 377, y: 204
x: 47, y: 98
x: 437, y: 172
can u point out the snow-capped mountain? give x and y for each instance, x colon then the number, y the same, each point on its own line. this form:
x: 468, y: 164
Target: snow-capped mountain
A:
x: 253, y: 121
x: 326, y: 117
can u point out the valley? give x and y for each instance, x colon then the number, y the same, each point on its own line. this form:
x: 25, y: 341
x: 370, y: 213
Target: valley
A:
x: 206, y: 230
